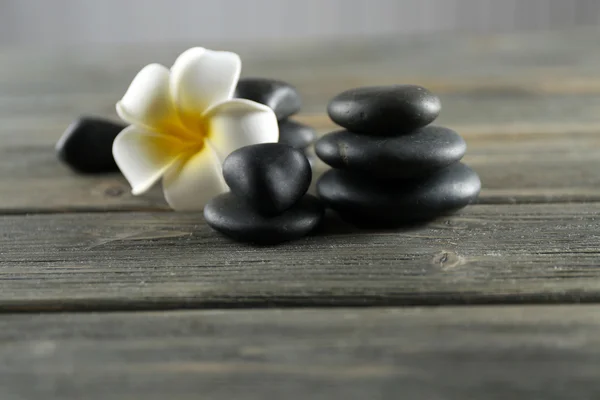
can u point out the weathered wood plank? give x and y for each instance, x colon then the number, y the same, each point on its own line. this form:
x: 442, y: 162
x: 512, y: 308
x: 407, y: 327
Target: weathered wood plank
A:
x: 539, y: 352
x: 35, y: 120
x: 499, y: 80
x: 536, y: 60
x: 528, y: 78
x: 486, y: 254
x: 514, y: 168
x: 33, y: 180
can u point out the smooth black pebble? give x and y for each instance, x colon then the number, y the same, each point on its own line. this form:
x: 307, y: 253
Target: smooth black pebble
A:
x: 370, y: 203
x: 233, y: 217
x: 295, y: 134
x: 282, y: 97
x: 384, y: 110
x: 270, y: 177
x: 86, y: 145
x: 417, y: 154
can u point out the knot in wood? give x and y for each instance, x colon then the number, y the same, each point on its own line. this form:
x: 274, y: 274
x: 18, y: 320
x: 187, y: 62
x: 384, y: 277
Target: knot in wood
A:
x: 447, y: 259
x: 114, y: 191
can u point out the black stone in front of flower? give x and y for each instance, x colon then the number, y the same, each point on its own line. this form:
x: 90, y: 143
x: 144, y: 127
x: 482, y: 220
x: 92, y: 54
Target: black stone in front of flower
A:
x: 384, y: 110
x: 86, y: 145
x: 233, y: 217
x: 280, y: 96
x: 370, y: 203
x: 295, y: 134
x: 269, y: 177
x: 417, y: 154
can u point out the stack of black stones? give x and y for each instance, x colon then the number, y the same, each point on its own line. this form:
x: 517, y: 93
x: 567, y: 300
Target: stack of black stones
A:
x: 391, y: 168
x: 268, y: 203
x: 285, y: 101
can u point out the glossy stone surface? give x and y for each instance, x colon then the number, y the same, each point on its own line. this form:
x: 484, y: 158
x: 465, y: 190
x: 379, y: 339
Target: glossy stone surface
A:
x: 270, y: 177
x: 282, y: 97
x: 367, y: 202
x: 295, y: 134
x: 384, y: 110
x: 401, y: 157
x: 233, y: 217
x: 86, y: 145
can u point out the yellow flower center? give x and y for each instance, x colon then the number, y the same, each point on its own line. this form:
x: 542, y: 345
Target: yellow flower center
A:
x: 191, y: 130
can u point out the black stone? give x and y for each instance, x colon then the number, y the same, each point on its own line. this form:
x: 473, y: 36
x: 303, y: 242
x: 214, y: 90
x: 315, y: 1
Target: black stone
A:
x: 282, y: 97
x: 270, y: 177
x: 401, y: 157
x: 295, y: 134
x: 384, y: 110
x: 86, y: 145
x: 366, y: 202
x: 231, y: 216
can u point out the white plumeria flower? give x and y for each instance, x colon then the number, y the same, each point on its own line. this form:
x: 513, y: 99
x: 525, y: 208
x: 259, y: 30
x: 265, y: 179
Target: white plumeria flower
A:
x: 184, y: 122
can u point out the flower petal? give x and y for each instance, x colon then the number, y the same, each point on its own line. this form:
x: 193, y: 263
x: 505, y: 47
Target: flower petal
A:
x: 237, y: 123
x: 147, y: 102
x: 144, y: 156
x: 201, y: 78
x: 192, y: 182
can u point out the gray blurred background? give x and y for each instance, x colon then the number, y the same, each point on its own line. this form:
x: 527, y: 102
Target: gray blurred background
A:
x: 139, y: 21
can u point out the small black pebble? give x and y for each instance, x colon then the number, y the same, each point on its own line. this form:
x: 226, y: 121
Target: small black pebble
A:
x: 384, y: 110
x: 231, y: 216
x: 417, y: 154
x: 269, y: 177
x: 86, y: 145
x: 367, y: 202
x: 295, y: 134
x: 282, y: 97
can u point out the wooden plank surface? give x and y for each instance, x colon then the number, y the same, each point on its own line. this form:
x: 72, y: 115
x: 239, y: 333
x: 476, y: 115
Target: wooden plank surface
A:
x: 514, y: 168
x: 486, y: 254
x: 529, y: 106
x: 545, y: 79
x: 451, y: 61
x: 449, y: 353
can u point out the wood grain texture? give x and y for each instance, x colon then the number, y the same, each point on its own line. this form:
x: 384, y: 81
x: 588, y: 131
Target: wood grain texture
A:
x: 33, y: 180
x: 486, y: 254
x: 499, y: 80
x: 528, y: 107
x: 514, y: 168
x: 539, y: 352
x: 527, y: 61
